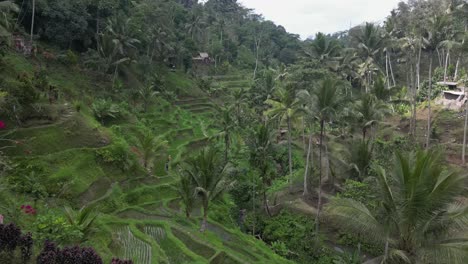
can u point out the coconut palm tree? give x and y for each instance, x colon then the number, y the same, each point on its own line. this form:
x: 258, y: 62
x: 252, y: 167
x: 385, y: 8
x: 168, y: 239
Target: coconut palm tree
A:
x: 368, y: 112
x: 327, y: 102
x: 186, y: 190
x: 83, y: 219
x: 6, y: 25
x: 227, y: 128
x: 6, y: 8
x: 286, y: 106
x: 208, y: 173
x: 433, y: 36
x: 147, y: 94
x: 261, y: 157
x: 239, y: 101
x: 420, y: 218
x: 323, y: 48
x: 149, y: 146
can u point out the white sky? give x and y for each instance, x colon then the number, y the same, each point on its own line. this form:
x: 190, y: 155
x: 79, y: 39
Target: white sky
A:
x: 307, y: 17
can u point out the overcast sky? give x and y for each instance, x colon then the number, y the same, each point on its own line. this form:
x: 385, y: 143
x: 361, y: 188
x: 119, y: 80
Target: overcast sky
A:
x: 307, y: 17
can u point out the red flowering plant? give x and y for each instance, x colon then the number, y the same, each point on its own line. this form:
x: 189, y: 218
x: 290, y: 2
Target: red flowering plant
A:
x: 2, y: 124
x: 28, y: 209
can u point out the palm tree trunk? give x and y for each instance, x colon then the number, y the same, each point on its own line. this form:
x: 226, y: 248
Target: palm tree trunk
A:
x: 446, y: 65
x: 33, y: 18
x: 306, y: 173
x: 226, y: 147
x: 265, y: 201
x: 418, y: 69
x: 253, y: 206
x: 364, y: 132
x: 303, y: 133
x: 290, y: 154
x: 386, y: 251
x: 98, y: 47
x: 460, y: 55
x: 257, y: 46
x: 464, y: 132
x: 438, y: 57
x: 115, y: 76
x: 429, y: 95
x: 205, y: 216
x: 386, y: 70
x: 391, y: 69
x: 317, y: 217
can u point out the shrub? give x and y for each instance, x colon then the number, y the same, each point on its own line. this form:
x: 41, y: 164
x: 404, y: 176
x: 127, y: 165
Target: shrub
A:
x: 104, y: 110
x: 297, y: 234
x: 51, y: 254
x: 120, y: 261
x: 56, y: 228
x: 359, y: 191
x: 71, y: 58
x: 117, y: 153
x: 11, y: 238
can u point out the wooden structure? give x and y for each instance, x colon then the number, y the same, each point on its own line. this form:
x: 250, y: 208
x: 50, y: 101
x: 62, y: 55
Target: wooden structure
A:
x: 202, y: 63
x: 202, y: 57
x: 21, y: 45
x: 454, y: 98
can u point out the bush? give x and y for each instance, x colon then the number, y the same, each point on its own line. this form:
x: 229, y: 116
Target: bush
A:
x: 120, y: 261
x: 53, y: 227
x: 117, y: 154
x: 11, y: 238
x: 296, y: 233
x: 71, y: 58
x: 105, y: 110
x: 359, y: 191
x: 51, y: 254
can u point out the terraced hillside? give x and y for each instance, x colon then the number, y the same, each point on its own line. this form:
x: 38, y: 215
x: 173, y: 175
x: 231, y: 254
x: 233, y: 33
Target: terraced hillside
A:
x: 86, y: 163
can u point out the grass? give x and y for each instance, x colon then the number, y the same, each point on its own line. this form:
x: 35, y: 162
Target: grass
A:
x: 139, y: 214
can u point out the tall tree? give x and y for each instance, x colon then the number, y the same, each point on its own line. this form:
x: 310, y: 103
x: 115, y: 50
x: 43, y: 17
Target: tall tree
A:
x: 261, y: 158
x: 434, y: 35
x: 328, y: 102
x: 208, y: 172
x: 420, y: 221
x: 149, y: 146
x: 285, y: 106
x: 368, y: 112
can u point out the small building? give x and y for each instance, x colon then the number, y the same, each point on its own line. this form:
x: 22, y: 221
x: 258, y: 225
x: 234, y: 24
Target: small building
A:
x: 21, y: 45
x: 454, y: 97
x: 202, y: 63
x: 202, y: 57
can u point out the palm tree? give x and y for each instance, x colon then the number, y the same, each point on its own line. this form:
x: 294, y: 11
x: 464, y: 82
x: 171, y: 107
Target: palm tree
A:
x: 227, y: 128
x: 323, y: 48
x: 327, y: 103
x: 147, y: 93
x: 82, y: 219
x: 149, y: 146
x: 433, y: 37
x: 420, y: 219
x: 261, y: 157
x: 370, y: 40
x: 286, y: 106
x: 370, y: 44
x: 239, y: 101
x: 186, y: 190
x: 117, y: 44
x: 6, y: 25
x: 208, y: 173
x: 368, y: 112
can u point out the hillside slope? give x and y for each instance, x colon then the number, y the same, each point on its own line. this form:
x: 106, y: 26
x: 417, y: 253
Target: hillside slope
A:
x: 86, y: 163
